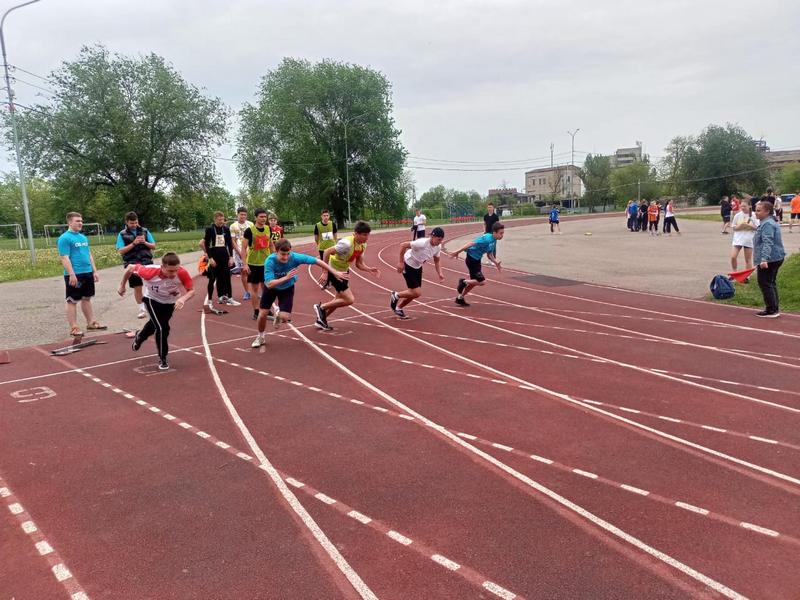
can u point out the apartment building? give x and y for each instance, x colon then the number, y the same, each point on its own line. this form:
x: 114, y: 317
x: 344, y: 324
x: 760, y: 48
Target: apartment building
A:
x: 559, y: 182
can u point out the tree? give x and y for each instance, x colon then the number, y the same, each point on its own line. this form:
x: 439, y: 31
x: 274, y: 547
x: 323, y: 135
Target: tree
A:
x: 724, y: 160
x: 596, y: 174
x: 633, y: 180
x: 191, y: 209
x: 789, y: 179
x: 131, y: 126
x: 294, y: 137
x: 673, y: 167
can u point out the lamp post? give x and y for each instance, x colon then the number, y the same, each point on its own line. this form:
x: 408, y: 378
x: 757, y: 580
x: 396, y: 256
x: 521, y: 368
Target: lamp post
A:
x: 572, y: 161
x: 347, y: 164
x: 12, y: 112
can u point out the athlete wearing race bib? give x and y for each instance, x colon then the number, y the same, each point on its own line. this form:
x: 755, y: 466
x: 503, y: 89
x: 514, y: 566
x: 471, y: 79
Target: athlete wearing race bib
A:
x: 346, y: 251
x: 256, y: 247
x: 238, y: 227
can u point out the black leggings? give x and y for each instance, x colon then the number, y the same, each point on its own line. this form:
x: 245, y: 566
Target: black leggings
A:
x: 220, y: 274
x: 670, y: 221
x: 160, y: 314
x: 769, y: 288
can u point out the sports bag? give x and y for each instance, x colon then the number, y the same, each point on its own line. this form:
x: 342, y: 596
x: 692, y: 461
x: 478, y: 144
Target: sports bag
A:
x: 721, y: 288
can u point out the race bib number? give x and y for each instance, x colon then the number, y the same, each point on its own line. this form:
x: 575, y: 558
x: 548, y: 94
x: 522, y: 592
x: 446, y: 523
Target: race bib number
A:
x: 327, y: 235
x: 261, y: 242
x: 220, y: 241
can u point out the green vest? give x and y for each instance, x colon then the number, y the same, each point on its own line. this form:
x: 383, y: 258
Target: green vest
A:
x: 324, y: 243
x: 258, y: 250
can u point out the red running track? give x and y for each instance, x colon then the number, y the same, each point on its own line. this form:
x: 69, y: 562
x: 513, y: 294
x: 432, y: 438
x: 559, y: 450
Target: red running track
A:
x: 554, y: 440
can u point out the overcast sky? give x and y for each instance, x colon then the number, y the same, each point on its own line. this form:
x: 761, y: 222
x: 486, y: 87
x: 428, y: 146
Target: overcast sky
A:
x: 479, y: 82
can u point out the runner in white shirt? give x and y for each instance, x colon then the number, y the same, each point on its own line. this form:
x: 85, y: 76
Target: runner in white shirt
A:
x: 412, y: 256
x: 238, y: 227
x: 419, y: 226
x: 162, y: 295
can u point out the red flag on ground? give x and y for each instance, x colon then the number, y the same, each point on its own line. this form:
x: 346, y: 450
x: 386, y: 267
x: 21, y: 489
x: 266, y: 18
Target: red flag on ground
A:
x: 740, y: 276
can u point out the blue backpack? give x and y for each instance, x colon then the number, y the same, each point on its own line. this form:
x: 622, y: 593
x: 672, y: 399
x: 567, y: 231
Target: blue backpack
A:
x: 721, y: 288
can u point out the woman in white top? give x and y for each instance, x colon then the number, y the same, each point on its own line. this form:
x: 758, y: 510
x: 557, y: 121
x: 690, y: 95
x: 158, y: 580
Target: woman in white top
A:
x: 669, y: 219
x: 744, y: 227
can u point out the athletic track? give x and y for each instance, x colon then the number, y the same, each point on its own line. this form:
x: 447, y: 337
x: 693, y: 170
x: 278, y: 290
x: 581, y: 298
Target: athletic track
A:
x: 554, y: 440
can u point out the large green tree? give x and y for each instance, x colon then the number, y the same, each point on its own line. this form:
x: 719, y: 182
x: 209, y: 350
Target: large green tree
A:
x: 131, y: 126
x: 596, y: 177
x: 789, y: 179
x: 313, y: 128
x: 724, y: 160
x: 633, y: 181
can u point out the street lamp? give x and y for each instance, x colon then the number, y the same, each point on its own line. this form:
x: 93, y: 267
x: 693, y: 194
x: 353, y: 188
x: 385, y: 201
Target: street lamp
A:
x: 572, y: 162
x: 347, y: 163
x: 12, y: 112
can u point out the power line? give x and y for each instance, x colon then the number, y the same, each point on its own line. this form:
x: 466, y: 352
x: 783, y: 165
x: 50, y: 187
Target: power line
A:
x: 16, y: 68
x: 52, y: 93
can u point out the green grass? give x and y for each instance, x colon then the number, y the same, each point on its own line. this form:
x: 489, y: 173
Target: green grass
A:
x: 788, y: 288
x: 701, y: 217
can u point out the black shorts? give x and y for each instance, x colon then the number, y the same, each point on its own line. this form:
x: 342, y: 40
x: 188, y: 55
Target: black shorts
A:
x: 796, y: 215
x: 420, y: 233
x: 726, y: 219
x: 474, y: 267
x: 412, y: 276
x: 256, y: 274
x: 135, y: 281
x: 339, y: 285
x: 84, y: 289
x: 285, y: 298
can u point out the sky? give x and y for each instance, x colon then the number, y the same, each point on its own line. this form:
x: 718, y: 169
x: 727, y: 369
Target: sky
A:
x: 480, y: 89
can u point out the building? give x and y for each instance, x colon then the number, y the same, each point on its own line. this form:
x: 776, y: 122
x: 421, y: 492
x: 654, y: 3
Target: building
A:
x: 506, y: 197
x: 780, y: 158
x: 553, y: 183
x: 627, y: 156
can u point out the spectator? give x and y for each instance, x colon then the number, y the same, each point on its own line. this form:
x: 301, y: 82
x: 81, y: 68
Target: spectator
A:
x: 643, y: 215
x: 652, y: 217
x: 490, y: 218
x: 794, y: 207
x: 135, y: 244
x: 735, y: 204
x: 744, y: 225
x: 633, y: 215
x: 80, y: 275
x: 725, y: 213
x: 669, y: 219
x: 768, y: 255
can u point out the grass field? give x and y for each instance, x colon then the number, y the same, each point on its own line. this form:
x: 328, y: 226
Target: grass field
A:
x: 788, y: 288
x: 701, y: 217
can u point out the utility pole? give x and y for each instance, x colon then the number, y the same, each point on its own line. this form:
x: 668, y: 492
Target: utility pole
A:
x: 639, y: 189
x: 551, y: 154
x: 347, y: 164
x: 13, y: 115
x: 572, y: 160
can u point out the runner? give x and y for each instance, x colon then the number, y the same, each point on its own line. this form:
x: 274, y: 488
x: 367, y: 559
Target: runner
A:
x: 238, y: 227
x: 80, y: 274
x: 347, y: 250
x: 136, y: 246
x: 412, y: 256
x: 485, y: 244
x: 418, y: 229
x: 162, y: 288
x: 325, y: 236
x: 275, y: 231
x: 554, y: 222
x: 217, y: 245
x: 280, y: 276
x: 255, y: 248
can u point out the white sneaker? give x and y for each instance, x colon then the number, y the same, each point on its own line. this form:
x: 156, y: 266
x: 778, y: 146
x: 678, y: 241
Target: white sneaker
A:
x: 142, y: 314
x: 259, y: 341
x: 223, y: 300
x: 232, y: 302
x: 277, y: 322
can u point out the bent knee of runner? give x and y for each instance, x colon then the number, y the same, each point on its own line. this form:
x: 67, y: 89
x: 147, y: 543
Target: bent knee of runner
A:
x: 415, y: 293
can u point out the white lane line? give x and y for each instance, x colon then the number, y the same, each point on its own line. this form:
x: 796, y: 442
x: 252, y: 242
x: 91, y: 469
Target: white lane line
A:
x: 635, y: 490
x: 499, y: 591
x: 16, y: 508
x: 445, y: 562
x: 717, y: 429
x: 399, y: 537
x: 359, y: 517
x: 761, y: 439
x: 758, y: 529
x: 598, y: 521
x: 44, y: 548
x: 584, y: 473
x: 502, y: 447
x: 542, y: 459
x: 61, y: 572
x: 355, y: 580
x: 29, y: 527
x: 692, y: 508
x: 323, y: 498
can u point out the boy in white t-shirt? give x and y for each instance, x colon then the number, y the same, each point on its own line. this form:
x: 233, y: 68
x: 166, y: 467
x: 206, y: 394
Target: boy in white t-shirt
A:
x: 238, y: 227
x: 412, y: 256
x: 419, y: 226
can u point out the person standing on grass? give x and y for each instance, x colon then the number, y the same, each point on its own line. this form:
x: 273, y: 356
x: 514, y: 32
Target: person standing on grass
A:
x: 280, y: 276
x: 238, y: 227
x: 255, y: 249
x: 768, y: 255
x: 418, y: 229
x: 217, y: 245
x: 412, y: 256
x: 669, y: 219
x: 743, y: 225
x: 162, y: 296
x: 347, y: 250
x: 485, y: 244
x: 136, y: 246
x: 325, y: 237
x: 725, y: 213
x: 490, y: 218
x: 794, y: 208
x: 80, y: 275
x: 554, y: 221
